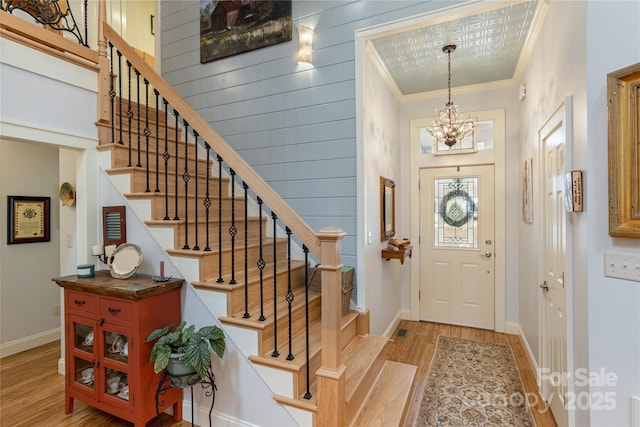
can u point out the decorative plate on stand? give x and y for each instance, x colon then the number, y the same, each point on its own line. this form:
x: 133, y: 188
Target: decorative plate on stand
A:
x: 125, y: 261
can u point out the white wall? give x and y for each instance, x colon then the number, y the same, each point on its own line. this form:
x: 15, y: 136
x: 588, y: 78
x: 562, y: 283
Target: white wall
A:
x: 381, y: 281
x: 27, y: 293
x: 572, y: 57
x: 613, y: 305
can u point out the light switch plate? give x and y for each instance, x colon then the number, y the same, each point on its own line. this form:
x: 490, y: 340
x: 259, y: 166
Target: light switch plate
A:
x: 622, y: 265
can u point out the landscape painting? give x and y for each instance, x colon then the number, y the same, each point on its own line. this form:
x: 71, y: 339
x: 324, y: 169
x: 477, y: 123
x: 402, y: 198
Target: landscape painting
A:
x: 229, y: 27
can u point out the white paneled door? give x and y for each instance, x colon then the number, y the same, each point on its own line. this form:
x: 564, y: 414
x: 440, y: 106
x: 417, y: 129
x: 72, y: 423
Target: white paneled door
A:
x: 457, y: 245
x: 554, y: 304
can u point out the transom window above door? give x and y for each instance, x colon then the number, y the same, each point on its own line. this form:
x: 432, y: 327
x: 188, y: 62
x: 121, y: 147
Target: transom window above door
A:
x: 481, y: 139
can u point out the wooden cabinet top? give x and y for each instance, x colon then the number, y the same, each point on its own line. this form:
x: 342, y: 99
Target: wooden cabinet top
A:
x: 134, y: 288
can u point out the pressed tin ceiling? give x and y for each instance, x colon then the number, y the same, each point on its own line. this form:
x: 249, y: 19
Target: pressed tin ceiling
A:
x: 489, y: 46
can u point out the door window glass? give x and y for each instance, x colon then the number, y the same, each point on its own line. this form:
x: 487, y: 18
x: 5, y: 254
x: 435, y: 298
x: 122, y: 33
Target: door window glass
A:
x: 456, y: 212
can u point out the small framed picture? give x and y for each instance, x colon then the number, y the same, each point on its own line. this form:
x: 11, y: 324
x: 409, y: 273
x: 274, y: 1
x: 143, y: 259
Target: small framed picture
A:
x: 28, y: 219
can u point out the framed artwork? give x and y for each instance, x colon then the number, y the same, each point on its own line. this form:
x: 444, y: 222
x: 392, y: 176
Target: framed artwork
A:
x: 623, y: 93
x: 387, y: 209
x: 229, y: 27
x: 527, y: 191
x: 28, y: 219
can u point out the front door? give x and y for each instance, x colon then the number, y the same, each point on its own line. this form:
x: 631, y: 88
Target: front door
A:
x: 456, y: 245
x: 554, y: 313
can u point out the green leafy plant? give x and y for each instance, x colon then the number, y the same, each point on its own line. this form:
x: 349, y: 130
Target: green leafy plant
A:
x: 190, y: 345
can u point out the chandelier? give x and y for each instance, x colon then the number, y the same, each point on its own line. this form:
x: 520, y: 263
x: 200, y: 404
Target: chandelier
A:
x: 451, y: 126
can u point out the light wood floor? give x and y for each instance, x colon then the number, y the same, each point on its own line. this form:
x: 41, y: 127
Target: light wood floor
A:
x: 32, y: 391
x: 417, y: 348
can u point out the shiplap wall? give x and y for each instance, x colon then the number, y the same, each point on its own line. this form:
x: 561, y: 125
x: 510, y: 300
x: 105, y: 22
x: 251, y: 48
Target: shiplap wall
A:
x: 295, y: 124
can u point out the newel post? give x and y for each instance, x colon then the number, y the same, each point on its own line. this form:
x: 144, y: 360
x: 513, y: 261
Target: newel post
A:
x: 104, y: 99
x: 331, y: 375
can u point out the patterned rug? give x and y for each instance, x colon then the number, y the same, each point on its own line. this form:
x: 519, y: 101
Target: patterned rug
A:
x: 473, y: 384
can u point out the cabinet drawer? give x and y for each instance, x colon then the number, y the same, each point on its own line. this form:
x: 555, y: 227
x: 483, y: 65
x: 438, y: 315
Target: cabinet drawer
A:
x: 81, y: 302
x: 115, y: 311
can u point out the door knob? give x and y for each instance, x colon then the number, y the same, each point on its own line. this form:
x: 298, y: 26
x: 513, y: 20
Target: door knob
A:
x: 487, y: 254
x: 544, y: 286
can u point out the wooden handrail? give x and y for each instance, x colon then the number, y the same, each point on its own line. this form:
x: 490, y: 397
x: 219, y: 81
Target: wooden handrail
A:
x: 30, y: 34
x: 288, y: 216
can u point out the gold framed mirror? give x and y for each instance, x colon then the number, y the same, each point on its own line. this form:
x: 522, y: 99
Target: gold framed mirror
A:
x: 623, y: 94
x: 387, y: 209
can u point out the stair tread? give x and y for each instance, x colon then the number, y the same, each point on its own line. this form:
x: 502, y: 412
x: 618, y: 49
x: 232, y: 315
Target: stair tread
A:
x: 358, y: 356
x: 386, y: 403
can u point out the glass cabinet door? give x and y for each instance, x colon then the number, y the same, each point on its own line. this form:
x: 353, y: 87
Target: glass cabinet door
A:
x: 82, y: 347
x: 116, y: 346
x: 116, y: 383
x: 83, y: 336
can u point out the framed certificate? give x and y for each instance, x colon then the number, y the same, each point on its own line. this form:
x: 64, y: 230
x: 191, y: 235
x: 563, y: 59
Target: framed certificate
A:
x: 28, y: 219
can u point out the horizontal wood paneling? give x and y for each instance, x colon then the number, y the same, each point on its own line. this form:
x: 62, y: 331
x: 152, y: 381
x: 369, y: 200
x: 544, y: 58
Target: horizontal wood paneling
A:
x: 293, y: 123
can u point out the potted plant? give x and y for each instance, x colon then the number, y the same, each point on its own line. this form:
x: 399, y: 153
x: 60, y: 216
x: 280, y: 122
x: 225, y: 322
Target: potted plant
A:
x: 186, y: 346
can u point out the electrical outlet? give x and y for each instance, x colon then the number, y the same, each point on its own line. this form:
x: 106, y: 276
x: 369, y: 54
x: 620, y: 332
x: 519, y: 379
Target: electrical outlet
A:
x: 622, y: 266
x: 56, y: 310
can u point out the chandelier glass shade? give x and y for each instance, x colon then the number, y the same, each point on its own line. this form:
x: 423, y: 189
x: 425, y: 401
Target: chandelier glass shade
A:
x: 450, y: 125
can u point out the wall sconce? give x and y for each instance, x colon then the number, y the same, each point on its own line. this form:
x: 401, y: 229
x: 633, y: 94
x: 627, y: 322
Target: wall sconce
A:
x: 305, y: 40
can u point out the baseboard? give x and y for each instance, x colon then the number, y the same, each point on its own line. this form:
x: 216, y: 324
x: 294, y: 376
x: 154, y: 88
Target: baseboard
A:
x: 201, y: 415
x: 512, y: 328
x: 401, y: 315
x: 532, y: 360
x: 27, y: 343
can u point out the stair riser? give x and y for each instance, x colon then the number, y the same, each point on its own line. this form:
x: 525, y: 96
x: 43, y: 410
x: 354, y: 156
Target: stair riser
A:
x: 120, y: 159
x: 158, y: 209
x: 265, y: 339
x: 363, y: 388
x: 139, y: 184
x: 236, y: 297
x: 253, y: 236
x: 209, y: 263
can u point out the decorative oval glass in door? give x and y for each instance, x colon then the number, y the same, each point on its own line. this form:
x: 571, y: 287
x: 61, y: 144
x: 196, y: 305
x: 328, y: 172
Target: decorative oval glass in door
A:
x: 456, y: 212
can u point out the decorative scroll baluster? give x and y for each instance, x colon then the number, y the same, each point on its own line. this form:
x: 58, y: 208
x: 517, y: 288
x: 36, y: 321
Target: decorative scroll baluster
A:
x: 147, y: 131
x: 207, y: 199
x: 120, y: 95
x: 112, y: 94
x: 233, y: 230
x: 138, y: 116
x: 196, y: 246
x: 275, y: 287
x: 157, y: 94
x: 261, y: 263
x: 185, y: 178
x: 290, y: 295
x: 220, y: 279
x: 166, y: 157
x: 175, y: 190
x: 307, y: 394
x: 129, y: 110
x: 246, y: 314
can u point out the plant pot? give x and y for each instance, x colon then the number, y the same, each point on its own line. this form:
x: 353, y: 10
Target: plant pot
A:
x: 177, y: 367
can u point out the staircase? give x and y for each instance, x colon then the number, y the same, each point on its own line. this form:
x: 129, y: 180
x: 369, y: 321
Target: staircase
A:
x: 250, y: 252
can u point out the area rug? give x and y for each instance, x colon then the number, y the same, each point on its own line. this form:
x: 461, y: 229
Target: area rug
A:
x: 473, y: 383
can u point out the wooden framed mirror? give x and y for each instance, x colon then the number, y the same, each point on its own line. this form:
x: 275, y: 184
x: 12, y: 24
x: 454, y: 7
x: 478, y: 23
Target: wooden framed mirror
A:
x: 623, y: 93
x: 387, y: 209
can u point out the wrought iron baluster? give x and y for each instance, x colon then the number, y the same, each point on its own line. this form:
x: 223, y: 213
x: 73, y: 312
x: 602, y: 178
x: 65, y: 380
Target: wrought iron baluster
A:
x: 120, y: 95
x: 175, y: 188
x: 112, y: 94
x: 86, y: 23
x: 138, y: 116
x: 307, y: 394
x: 157, y: 94
x: 261, y: 263
x: 196, y: 246
x: 275, y: 287
x: 207, y: 199
x: 129, y: 110
x: 233, y: 230
x: 220, y: 279
x: 147, y: 132
x: 185, y: 178
x: 290, y: 295
x: 246, y: 314
x: 166, y: 157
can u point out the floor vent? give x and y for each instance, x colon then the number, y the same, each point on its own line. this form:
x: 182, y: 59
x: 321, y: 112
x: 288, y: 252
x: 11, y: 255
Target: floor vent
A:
x: 402, y: 332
